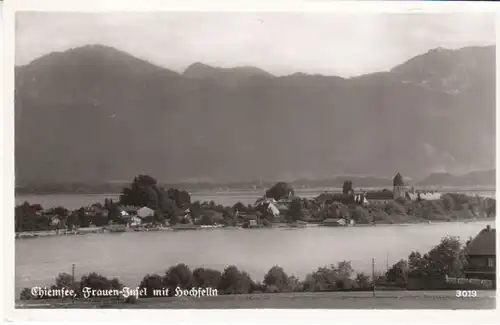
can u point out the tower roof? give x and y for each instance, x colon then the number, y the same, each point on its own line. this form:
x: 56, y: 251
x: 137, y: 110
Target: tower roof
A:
x: 398, y: 180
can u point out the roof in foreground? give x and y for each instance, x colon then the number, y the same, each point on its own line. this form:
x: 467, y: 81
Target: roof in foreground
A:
x: 483, y: 243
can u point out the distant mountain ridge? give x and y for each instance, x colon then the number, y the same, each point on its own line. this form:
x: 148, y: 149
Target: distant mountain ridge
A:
x: 95, y: 114
x: 476, y: 178
x: 229, y: 77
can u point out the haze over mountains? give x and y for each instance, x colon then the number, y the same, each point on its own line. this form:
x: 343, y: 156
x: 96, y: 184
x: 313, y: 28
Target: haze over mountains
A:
x: 95, y: 114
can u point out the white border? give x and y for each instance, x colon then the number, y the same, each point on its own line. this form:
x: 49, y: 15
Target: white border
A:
x: 192, y: 316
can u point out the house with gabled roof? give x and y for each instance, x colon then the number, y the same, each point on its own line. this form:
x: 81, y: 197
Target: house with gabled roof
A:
x: 481, y: 255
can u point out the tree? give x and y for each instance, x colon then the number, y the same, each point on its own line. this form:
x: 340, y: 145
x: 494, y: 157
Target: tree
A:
x: 25, y: 217
x: 320, y: 280
x: 158, y: 218
x: 140, y: 193
x: 64, y: 280
x: 330, y: 278
x: 99, y: 282
x: 37, y: 207
x: 489, y: 207
x: 276, y: 280
x: 295, y: 212
x: 235, y: 282
x: 416, y: 265
x: 448, y: 202
x: 58, y: 211
x: 398, y: 273
x: 83, y: 219
x: 72, y: 220
x: 239, y: 207
x: 99, y: 219
x: 347, y: 187
x: 206, y: 220
x: 447, y: 258
x: 279, y: 191
x: 174, y: 219
x: 363, y: 281
x: 151, y: 282
x: 294, y: 284
x: 114, y: 283
x: 178, y: 276
x: 195, y: 209
x: 181, y: 198
x: 207, y: 278
x: 114, y: 212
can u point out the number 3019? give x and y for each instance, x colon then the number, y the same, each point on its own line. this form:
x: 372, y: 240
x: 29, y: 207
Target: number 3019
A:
x: 466, y: 293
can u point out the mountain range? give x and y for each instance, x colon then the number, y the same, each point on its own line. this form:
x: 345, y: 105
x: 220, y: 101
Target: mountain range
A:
x: 95, y: 113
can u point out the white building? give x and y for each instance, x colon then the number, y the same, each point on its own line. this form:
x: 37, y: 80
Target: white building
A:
x: 271, y: 205
x: 135, y: 221
x: 145, y: 212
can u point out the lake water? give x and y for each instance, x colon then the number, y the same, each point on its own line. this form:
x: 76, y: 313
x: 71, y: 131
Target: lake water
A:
x: 130, y: 256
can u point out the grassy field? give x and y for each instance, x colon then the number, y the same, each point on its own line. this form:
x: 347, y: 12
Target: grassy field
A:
x: 326, y: 300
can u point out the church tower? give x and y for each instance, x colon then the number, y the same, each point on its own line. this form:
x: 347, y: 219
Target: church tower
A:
x: 399, y: 187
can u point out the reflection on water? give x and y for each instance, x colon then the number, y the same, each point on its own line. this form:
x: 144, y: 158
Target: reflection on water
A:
x: 130, y: 256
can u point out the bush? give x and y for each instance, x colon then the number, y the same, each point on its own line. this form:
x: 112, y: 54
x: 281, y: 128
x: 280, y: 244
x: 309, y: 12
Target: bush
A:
x: 267, y: 223
x: 131, y: 300
x: 379, y: 216
x: 151, y: 282
x: 360, y: 215
x: 392, y: 207
x: 402, y: 201
x: 258, y: 287
x: 206, y: 220
x: 26, y: 294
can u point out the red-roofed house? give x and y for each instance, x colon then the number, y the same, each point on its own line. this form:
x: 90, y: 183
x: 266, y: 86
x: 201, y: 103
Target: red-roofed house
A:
x: 481, y: 255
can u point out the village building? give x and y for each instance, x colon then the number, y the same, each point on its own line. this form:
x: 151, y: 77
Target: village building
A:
x: 329, y: 198
x: 399, y: 189
x: 269, y: 204
x: 134, y: 221
x: 55, y: 221
x: 95, y: 210
x: 481, y: 255
x: 129, y: 209
x: 145, y: 212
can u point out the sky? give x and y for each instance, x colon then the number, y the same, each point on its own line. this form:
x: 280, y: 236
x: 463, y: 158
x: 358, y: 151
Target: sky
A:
x: 280, y: 43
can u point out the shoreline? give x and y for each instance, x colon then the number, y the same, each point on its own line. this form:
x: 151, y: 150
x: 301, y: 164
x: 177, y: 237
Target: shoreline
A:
x: 103, y: 230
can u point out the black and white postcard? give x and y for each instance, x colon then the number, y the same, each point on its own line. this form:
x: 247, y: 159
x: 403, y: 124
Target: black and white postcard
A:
x: 304, y: 156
